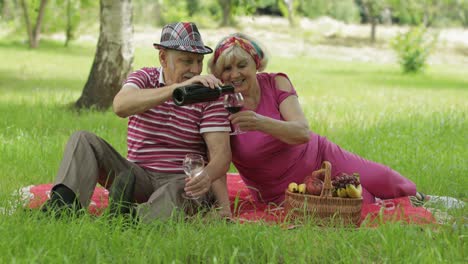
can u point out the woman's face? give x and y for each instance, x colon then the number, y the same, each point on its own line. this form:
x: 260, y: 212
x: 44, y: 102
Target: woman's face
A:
x: 241, y: 73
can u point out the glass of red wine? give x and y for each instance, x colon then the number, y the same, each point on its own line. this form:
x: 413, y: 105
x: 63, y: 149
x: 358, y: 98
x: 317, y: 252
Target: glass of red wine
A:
x: 233, y: 103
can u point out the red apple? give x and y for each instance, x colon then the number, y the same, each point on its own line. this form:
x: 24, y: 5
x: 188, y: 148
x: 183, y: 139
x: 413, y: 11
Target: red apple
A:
x: 313, y: 185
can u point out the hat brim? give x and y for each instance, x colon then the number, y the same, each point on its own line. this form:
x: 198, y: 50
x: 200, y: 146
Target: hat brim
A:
x: 191, y: 49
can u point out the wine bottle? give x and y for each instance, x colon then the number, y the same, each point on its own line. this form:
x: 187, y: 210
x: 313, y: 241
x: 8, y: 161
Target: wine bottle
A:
x: 197, y: 93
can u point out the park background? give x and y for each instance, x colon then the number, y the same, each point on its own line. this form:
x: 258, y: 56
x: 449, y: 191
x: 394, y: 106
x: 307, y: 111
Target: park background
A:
x: 398, y: 96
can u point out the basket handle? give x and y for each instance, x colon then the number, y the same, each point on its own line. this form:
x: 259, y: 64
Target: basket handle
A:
x: 327, y: 186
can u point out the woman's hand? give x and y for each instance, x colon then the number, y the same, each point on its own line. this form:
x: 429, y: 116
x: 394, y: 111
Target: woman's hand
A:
x: 293, y: 130
x: 247, y: 120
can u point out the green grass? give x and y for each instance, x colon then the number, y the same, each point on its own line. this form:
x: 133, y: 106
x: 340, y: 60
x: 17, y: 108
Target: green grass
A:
x: 414, y: 123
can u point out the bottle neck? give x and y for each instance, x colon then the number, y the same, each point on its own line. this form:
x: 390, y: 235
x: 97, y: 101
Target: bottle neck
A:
x: 225, y: 89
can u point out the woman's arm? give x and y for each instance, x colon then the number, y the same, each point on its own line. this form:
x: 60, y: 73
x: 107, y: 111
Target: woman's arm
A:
x: 293, y: 130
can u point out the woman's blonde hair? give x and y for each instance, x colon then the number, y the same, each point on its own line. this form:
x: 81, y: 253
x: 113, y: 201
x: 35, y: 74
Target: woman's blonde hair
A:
x: 217, y: 62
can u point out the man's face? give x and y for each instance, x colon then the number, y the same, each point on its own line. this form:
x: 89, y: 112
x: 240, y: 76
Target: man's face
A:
x: 180, y: 66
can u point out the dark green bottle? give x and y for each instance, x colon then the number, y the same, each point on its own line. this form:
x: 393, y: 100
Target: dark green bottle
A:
x: 197, y: 93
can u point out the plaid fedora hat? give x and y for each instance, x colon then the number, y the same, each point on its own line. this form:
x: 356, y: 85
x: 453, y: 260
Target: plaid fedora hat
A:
x: 183, y: 36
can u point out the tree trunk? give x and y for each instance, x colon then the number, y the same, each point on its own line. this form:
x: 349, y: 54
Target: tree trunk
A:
x: 226, y: 7
x: 37, y: 28
x: 114, y: 55
x: 33, y: 34
x: 27, y: 21
x: 374, y: 22
x: 290, y: 5
x: 68, y: 28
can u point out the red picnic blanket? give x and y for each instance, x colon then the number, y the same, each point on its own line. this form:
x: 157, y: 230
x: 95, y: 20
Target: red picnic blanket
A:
x: 246, y: 209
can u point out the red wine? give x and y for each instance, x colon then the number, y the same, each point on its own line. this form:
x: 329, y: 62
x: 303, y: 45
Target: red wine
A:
x: 233, y: 109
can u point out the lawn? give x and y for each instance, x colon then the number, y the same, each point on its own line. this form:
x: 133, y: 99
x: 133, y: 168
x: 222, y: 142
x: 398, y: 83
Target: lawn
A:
x: 416, y: 124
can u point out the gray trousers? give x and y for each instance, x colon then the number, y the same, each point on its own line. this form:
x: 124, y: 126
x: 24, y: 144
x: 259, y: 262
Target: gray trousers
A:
x: 88, y: 160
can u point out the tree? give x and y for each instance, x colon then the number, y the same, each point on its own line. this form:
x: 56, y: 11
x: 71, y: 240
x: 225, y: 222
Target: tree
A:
x: 193, y: 7
x: 69, y: 26
x: 34, y: 34
x: 288, y: 6
x: 463, y: 12
x: 114, y: 55
x: 372, y: 11
x: 5, y: 7
x: 227, y: 12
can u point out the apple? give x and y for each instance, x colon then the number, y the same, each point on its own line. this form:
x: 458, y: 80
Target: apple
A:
x: 314, y: 185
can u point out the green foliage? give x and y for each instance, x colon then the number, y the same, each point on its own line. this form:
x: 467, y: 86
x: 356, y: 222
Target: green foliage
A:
x: 172, y: 11
x: 344, y: 10
x: 161, y: 12
x: 283, y: 8
x: 413, y: 48
x: 193, y: 6
x: 55, y: 16
x: 432, y: 13
x: 462, y: 12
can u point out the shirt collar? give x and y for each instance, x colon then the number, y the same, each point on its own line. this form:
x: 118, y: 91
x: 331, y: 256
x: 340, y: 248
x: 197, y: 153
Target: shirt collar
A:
x: 161, y: 77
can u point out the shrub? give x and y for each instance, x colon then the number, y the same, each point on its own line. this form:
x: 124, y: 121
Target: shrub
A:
x: 413, y: 48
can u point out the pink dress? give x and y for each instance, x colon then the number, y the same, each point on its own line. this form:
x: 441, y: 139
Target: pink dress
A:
x: 267, y: 165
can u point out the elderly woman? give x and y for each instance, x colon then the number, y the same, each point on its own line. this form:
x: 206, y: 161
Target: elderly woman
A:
x: 279, y: 147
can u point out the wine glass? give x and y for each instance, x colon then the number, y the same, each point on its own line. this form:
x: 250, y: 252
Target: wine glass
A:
x: 193, y: 165
x: 233, y: 103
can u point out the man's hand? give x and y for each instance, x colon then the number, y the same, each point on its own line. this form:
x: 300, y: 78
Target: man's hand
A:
x: 207, y: 80
x: 198, y: 185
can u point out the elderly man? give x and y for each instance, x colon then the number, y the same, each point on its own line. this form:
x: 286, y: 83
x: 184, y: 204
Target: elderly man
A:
x: 160, y: 134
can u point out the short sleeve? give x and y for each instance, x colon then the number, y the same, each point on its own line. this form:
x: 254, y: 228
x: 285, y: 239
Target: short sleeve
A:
x: 143, y: 78
x: 215, y: 118
x: 280, y: 94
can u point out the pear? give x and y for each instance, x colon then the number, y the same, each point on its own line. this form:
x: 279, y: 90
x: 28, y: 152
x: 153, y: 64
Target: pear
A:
x: 353, y: 191
x: 292, y: 187
x: 342, y: 192
x: 301, y: 188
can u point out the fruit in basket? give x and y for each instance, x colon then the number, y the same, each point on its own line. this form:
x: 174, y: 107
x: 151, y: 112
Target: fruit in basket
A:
x: 346, y: 185
x: 353, y: 191
x: 293, y: 187
x: 301, y: 188
x: 342, y: 192
x: 313, y: 185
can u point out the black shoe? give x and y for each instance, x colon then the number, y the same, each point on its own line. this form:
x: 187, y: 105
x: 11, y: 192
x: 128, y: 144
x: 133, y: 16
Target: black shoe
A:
x: 62, y: 202
x: 59, y: 209
x: 121, y: 194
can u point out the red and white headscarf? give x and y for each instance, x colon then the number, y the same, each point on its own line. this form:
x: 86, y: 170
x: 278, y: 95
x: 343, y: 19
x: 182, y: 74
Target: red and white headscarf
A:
x: 249, y: 46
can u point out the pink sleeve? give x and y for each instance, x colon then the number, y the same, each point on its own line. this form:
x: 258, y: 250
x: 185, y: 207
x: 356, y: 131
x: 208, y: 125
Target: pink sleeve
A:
x: 280, y: 94
x: 143, y: 78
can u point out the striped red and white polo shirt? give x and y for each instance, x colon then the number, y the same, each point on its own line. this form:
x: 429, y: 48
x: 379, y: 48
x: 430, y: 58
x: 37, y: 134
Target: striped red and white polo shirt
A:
x: 159, y: 138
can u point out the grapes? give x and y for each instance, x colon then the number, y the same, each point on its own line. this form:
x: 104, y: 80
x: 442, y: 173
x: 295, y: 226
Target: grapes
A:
x: 344, y: 179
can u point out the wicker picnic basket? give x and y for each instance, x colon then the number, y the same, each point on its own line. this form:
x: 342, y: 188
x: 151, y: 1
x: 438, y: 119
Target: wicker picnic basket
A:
x: 324, y: 209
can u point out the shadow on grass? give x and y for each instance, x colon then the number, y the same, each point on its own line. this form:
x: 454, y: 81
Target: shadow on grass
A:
x: 49, y: 47
x: 396, y: 79
x: 11, y: 80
